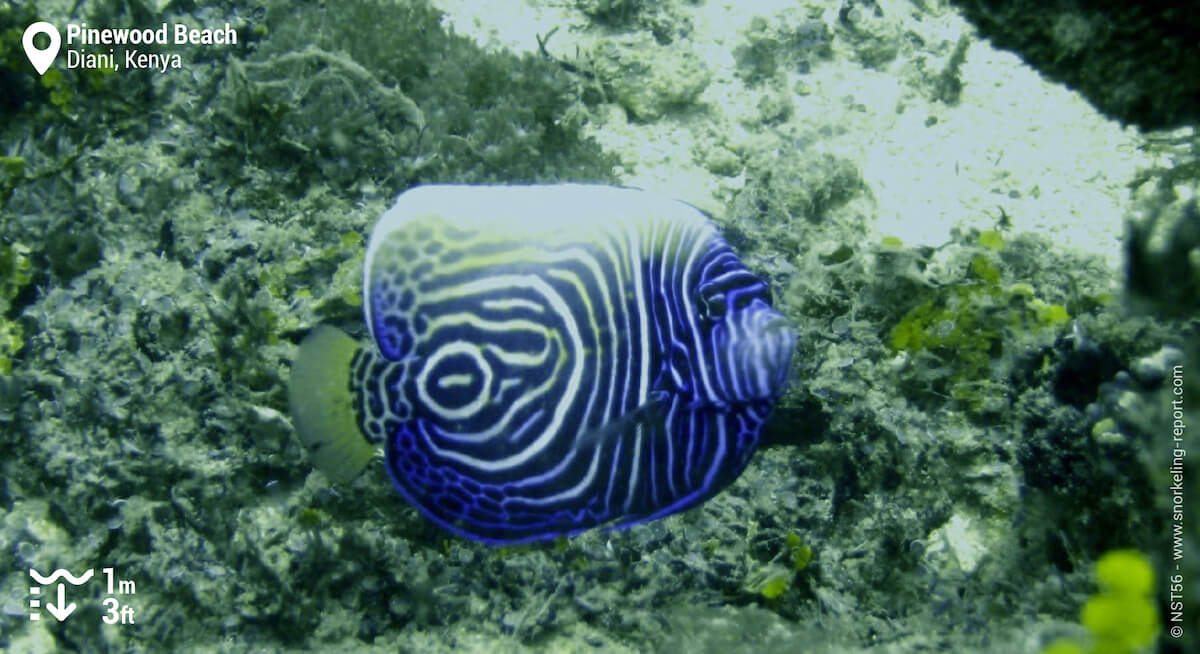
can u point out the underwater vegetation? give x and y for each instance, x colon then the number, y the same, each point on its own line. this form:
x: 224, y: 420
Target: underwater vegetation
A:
x: 1163, y: 243
x: 15, y: 274
x: 771, y: 47
x: 966, y: 325
x: 1121, y: 618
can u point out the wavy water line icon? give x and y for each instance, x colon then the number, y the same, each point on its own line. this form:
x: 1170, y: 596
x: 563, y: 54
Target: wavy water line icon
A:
x: 81, y: 579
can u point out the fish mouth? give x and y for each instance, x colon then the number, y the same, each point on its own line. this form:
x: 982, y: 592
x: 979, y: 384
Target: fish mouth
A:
x: 781, y: 337
x: 778, y: 327
x: 762, y: 358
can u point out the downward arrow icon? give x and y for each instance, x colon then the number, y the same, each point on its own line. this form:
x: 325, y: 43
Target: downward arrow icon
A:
x: 61, y: 610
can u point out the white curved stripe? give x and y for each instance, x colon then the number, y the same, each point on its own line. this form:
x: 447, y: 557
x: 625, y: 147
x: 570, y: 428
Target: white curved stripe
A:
x: 528, y: 395
x: 636, y: 257
x: 613, y: 468
x: 516, y: 434
x: 519, y: 359
x: 599, y: 274
x: 508, y: 304
x: 450, y: 349
x: 670, y: 469
x: 454, y: 380
x: 700, y: 243
x: 573, y: 492
x: 473, y: 319
x: 581, y: 289
x: 559, y: 306
x: 731, y: 274
x: 634, y: 477
x: 616, y: 302
x: 718, y: 460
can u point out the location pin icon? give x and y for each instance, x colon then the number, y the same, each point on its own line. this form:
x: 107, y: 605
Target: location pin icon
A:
x: 41, y: 59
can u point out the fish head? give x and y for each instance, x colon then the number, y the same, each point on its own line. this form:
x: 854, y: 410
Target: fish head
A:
x: 748, y: 342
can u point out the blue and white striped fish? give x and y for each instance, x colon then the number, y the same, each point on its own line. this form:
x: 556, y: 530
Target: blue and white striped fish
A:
x: 546, y: 359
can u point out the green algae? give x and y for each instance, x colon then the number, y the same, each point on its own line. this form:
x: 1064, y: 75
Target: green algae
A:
x: 15, y: 274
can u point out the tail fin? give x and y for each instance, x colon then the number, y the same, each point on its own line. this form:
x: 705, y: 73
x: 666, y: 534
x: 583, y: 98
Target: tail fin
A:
x: 321, y: 406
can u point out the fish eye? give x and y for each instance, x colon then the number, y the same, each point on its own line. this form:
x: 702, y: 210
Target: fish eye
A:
x: 712, y: 307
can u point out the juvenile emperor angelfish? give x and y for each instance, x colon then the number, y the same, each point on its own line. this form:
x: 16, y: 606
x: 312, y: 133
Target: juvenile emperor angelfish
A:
x: 546, y: 359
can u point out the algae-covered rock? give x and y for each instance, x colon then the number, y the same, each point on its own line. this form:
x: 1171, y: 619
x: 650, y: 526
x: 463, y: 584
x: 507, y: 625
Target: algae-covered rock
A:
x: 1163, y: 248
x: 649, y: 79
